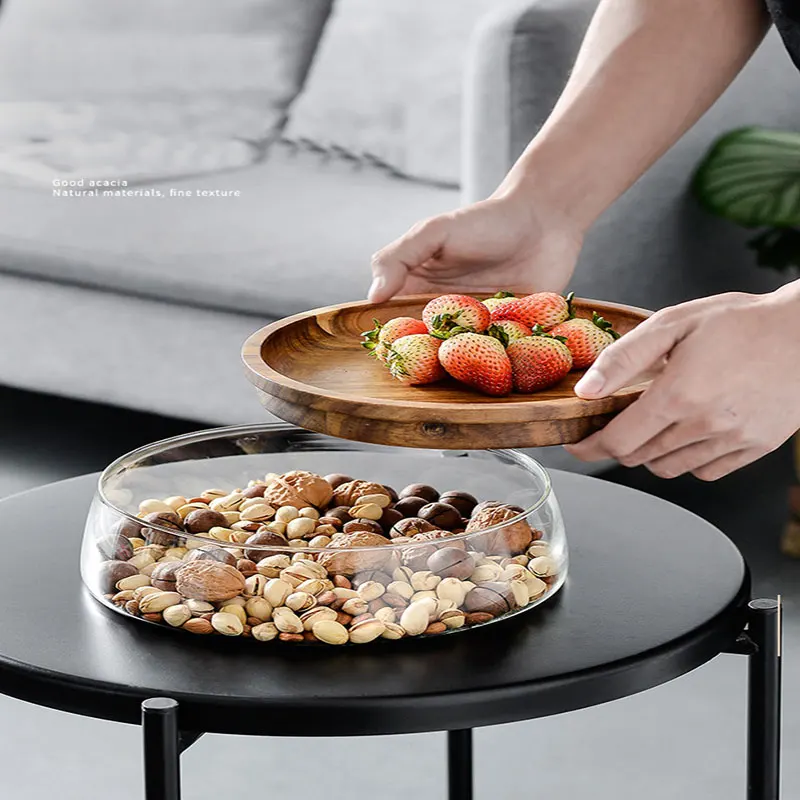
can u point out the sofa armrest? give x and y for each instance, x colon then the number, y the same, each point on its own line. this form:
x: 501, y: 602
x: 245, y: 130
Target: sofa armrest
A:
x: 518, y: 64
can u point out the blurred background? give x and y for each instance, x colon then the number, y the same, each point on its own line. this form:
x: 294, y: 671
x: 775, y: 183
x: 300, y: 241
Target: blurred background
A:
x: 255, y: 153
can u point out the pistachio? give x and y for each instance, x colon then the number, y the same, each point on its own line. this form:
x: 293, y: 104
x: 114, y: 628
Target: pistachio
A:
x: 366, y: 631
x: 227, y: 624
x: 424, y: 580
x: 198, y: 607
x: 453, y: 619
x: 274, y: 527
x: 308, y: 618
x: 229, y: 502
x: 403, y: 574
x: 187, y: 509
x: 122, y: 597
x: 141, y: 558
x: 330, y: 632
x: 158, y: 601
x: 254, y: 585
x: 300, y: 527
x: 541, y: 566
x: 520, y: 591
x: 139, y: 593
x: 212, y: 494
x: 148, y: 570
x: 386, y: 614
x: 320, y: 540
x: 371, y: 511
x: 276, y: 591
x: 451, y: 589
x: 300, y: 601
x: 136, y: 542
x: 391, y: 630
x: 430, y: 604
x: 177, y: 615
x: 298, y: 557
x: 309, y: 513
x: 415, y: 619
x: 265, y: 632
x: 513, y: 572
x: 133, y: 582
x: 536, y: 587
x: 153, y: 506
x: 234, y: 601
x: 176, y: 502
x: 380, y: 500
x: 345, y: 594
x: 315, y: 586
x: 286, y: 621
x: 355, y: 606
x: 258, y: 607
x: 286, y: 514
x: 371, y: 590
x: 537, y: 549
x: 486, y: 572
x: 429, y: 594
x: 401, y: 588
x: 272, y: 566
x: 236, y: 610
x: 258, y: 512
x: 231, y: 518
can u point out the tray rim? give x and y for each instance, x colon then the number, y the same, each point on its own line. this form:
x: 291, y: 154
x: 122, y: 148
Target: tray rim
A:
x: 276, y: 384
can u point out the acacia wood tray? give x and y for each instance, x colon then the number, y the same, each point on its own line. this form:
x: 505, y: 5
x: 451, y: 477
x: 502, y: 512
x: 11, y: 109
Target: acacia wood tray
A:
x: 311, y: 370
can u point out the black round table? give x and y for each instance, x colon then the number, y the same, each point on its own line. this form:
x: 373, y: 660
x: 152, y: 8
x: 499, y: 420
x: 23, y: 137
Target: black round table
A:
x: 653, y: 592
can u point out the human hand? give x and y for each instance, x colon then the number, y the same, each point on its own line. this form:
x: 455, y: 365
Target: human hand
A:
x: 498, y: 243
x: 727, y: 393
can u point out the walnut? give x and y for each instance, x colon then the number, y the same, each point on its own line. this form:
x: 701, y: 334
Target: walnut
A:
x: 352, y: 561
x: 299, y: 489
x: 348, y: 493
x: 509, y: 540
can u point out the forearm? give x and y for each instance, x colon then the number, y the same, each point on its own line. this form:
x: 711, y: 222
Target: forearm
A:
x: 647, y: 70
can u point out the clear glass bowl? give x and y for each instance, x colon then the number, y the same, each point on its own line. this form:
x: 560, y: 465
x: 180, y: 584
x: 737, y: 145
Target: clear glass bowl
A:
x: 233, y: 532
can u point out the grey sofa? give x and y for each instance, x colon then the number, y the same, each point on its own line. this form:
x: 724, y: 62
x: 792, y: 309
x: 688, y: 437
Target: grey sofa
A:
x: 149, y: 312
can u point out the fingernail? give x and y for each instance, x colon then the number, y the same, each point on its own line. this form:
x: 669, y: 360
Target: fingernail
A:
x: 377, y: 287
x: 591, y: 383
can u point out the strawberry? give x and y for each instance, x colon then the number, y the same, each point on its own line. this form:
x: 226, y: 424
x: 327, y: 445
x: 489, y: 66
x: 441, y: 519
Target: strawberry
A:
x: 414, y: 359
x: 450, y: 311
x: 507, y: 330
x: 497, y: 300
x: 538, y: 361
x: 382, y: 335
x: 543, y: 308
x: 586, y: 338
x: 478, y: 361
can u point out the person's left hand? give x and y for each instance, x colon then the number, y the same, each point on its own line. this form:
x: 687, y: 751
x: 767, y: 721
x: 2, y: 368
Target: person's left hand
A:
x: 727, y: 391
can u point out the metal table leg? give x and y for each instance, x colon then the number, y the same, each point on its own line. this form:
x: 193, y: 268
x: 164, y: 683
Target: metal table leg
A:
x: 459, y: 764
x: 764, y: 701
x: 162, y: 770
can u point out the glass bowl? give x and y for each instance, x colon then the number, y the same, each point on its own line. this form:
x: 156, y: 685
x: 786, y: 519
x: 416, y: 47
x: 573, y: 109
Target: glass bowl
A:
x: 233, y: 532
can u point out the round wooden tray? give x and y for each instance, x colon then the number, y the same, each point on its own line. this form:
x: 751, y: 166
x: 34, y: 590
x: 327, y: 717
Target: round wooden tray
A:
x: 311, y: 370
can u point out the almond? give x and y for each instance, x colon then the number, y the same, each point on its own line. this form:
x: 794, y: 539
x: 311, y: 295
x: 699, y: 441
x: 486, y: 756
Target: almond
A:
x: 209, y: 580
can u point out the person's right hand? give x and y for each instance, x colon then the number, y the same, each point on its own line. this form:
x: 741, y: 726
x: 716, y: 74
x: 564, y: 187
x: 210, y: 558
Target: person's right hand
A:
x: 500, y: 243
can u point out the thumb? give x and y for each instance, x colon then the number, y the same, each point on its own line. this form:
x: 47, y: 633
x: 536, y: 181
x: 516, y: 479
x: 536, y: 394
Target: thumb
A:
x: 391, y: 265
x: 631, y: 355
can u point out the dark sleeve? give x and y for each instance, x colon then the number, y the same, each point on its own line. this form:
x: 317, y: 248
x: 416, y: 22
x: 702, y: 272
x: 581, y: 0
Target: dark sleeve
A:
x: 786, y: 16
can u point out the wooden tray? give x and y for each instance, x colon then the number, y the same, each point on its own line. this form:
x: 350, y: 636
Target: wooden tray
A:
x: 311, y: 370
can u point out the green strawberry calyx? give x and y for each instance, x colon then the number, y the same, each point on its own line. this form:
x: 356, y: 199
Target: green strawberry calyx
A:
x: 448, y: 333
x: 497, y: 332
x: 395, y: 363
x: 502, y: 295
x: 604, y: 325
x: 538, y: 330
x: 370, y: 338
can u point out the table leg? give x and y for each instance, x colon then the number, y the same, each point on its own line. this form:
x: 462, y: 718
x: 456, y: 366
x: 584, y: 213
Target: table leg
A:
x: 162, y: 771
x: 459, y: 764
x: 764, y: 701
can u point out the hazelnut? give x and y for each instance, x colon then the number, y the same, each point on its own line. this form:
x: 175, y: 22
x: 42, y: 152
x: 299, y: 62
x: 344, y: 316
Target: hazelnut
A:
x: 211, y: 553
x: 441, y: 515
x: 463, y: 501
x: 451, y: 562
x: 202, y: 520
x: 510, y: 539
x: 110, y: 572
x: 493, y: 598
x: 128, y: 528
x: 350, y: 560
x: 420, y: 490
x: 410, y: 527
x: 163, y: 575
x: 347, y: 493
x: 366, y: 525
x: 336, y: 479
x: 165, y: 519
x: 410, y: 506
x: 389, y: 518
x: 116, y: 547
x: 261, y: 540
x: 393, y: 496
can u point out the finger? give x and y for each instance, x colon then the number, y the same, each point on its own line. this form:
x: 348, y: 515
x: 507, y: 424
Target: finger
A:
x: 691, y: 457
x: 639, y: 423
x: 676, y: 437
x: 627, y: 358
x: 391, y: 265
x: 714, y: 470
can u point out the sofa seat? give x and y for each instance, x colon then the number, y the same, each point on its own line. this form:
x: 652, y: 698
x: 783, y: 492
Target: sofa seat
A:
x: 298, y: 235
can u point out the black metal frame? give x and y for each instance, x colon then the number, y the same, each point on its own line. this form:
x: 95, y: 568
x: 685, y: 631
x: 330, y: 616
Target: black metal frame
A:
x: 761, y: 643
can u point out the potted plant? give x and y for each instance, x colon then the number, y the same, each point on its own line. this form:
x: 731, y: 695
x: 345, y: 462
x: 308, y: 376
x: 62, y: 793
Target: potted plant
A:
x: 751, y: 176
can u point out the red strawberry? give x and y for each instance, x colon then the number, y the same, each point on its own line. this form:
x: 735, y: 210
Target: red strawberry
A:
x: 451, y: 311
x: 543, y: 308
x: 382, y: 335
x: 497, y: 300
x: 538, y: 361
x: 586, y: 338
x: 414, y: 359
x: 478, y: 361
x: 507, y: 330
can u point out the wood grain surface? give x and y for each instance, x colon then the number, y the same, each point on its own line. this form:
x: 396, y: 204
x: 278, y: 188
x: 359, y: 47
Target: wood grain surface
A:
x: 311, y: 370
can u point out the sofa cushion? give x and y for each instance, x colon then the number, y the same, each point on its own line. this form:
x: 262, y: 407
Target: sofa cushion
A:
x: 299, y: 234
x: 387, y: 82
x: 137, y: 89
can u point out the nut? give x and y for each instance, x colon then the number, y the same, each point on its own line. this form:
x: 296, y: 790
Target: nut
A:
x: 336, y: 479
x: 371, y: 590
x: 197, y: 625
x: 300, y: 601
x: 265, y: 632
x: 520, y: 591
x: 441, y: 515
x: 272, y: 566
x: 424, y: 580
x: 423, y: 490
x: 386, y: 614
x: 286, y: 514
x: 367, y: 511
x: 227, y: 624
x: 392, y: 630
x: 453, y: 619
x: 542, y: 566
x: 237, y: 612
x: 411, y: 527
x: 410, y: 506
x: 276, y: 591
x: 308, y: 618
x: 230, y: 502
x: 452, y: 589
x: 176, y: 616
x: 254, y: 585
x: 110, y: 573
x: 258, y: 541
x: 164, y: 575
x: 142, y: 559
x: 258, y: 512
x: 486, y: 572
x: 330, y: 631
x: 153, y: 506
x: 478, y: 618
x: 286, y: 621
x: 293, y: 637
x: 255, y: 490
x: 381, y: 500
x: 320, y: 540
x: 536, y: 586
x: 363, y: 525
x: 155, y: 602
x: 300, y: 527
x: 366, y: 631
x: 401, y: 588
x: 258, y: 607
x: 494, y: 598
x: 116, y: 547
x: 309, y: 513
x: 133, y: 582
x: 352, y: 559
x: 538, y: 549
x: 451, y: 562
x: 315, y: 586
x: 462, y: 501
x: 202, y: 520
x: 435, y: 627
x: 299, y: 489
x: 514, y: 538
x: 247, y: 567
x: 346, y: 494
x: 355, y: 606
x: 209, y: 580
x: 415, y: 619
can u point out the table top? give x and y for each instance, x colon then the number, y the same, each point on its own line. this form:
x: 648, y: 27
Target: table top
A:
x: 653, y: 592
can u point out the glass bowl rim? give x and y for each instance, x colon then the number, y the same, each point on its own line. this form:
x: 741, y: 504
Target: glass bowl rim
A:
x: 521, y: 459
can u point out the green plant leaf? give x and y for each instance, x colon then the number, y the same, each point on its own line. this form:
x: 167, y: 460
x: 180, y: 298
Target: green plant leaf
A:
x: 777, y: 248
x: 751, y: 176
